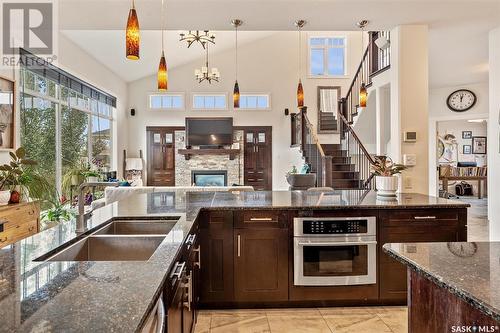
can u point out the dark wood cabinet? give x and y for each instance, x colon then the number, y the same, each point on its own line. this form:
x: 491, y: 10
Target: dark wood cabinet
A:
x: 175, y: 309
x: 411, y: 226
x: 161, y: 156
x: 258, y: 157
x: 217, y: 266
x: 261, y: 265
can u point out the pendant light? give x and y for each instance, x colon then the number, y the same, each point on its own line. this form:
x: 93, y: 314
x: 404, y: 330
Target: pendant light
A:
x: 363, y: 94
x: 132, y: 35
x: 236, y: 91
x: 300, y: 90
x: 162, y: 68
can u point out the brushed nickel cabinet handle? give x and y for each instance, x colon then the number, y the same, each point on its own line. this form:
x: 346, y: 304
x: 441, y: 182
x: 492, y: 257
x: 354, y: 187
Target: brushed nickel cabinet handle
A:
x: 189, y: 287
x: 198, y: 261
x: 239, y: 246
x: 261, y: 219
x: 424, y: 217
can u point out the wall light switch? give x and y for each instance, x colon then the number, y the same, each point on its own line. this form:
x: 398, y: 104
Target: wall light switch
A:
x: 408, y: 183
x: 410, y: 159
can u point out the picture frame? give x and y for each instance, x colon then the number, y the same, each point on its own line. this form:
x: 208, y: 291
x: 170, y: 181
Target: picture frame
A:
x: 467, y: 149
x: 466, y: 134
x: 479, y: 145
x: 7, y: 113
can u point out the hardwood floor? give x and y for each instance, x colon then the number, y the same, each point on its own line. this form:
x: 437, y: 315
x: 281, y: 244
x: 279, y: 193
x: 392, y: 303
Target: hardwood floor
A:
x: 316, y: 320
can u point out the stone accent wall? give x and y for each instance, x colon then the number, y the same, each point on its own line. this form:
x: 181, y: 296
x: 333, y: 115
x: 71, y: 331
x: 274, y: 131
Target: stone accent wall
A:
x: 183, y: 167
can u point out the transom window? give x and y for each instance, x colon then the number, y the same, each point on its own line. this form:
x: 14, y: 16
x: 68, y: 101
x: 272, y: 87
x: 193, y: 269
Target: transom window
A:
x: 327, y: 56
x: 210, y: 101
x: 172, y: 101
x: 254, y: 101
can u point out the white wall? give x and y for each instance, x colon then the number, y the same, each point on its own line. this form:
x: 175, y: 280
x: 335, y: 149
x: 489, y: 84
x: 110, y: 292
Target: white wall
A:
x: 268, y: 65
x: 75, y: 61
x: 494, y: 136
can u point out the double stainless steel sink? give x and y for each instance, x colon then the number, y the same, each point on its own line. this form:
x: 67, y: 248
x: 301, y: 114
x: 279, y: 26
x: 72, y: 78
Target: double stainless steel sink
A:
x: 120, y: 240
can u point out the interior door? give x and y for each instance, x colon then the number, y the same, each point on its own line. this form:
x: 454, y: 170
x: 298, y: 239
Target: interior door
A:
x: 258, y: 157
x: 161, y: 156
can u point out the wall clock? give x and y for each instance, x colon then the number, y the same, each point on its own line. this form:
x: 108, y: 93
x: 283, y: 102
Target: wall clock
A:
x: 461, y: 100
x: 462, y: 249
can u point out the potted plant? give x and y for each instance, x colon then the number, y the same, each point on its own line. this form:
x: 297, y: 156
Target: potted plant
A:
x: 301, y: 181
x: 60, y: 211
x: 13, y: 176
x: 385, y: 171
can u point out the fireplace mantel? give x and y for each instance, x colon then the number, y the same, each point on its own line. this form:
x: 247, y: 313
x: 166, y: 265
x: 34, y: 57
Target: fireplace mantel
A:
x: 188, y: 152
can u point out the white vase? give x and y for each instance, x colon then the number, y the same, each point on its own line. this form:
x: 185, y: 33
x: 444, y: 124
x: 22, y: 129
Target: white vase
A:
x: 4, y: 197
x: 386, y: 186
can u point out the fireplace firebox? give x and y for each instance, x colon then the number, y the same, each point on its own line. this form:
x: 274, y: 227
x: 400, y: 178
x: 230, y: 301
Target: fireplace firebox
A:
x: 209, y: 177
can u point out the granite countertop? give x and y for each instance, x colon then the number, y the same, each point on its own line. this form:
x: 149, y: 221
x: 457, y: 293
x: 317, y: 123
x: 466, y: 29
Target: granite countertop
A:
x: 469, y: 270
x: 117, y: 296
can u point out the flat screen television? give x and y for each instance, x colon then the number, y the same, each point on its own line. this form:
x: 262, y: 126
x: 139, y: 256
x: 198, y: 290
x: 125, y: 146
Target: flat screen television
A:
x: 211, y: 132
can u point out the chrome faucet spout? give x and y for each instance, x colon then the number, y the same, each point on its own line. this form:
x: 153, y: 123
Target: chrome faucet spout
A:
x: 82, y: 218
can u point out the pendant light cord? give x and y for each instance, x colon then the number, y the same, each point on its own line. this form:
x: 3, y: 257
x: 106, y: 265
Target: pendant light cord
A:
x: 133, y: 4
x: 162, y: 25
x: 300, y: 55
x: 236, y: 52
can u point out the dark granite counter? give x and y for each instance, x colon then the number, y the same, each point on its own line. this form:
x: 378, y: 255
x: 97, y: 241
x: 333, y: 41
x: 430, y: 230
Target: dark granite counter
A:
x: 469, y: 270
x: 117, y: 296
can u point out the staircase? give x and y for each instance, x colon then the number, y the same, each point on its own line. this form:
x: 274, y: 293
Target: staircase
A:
x: 346, y: 165
x: 328, y: 122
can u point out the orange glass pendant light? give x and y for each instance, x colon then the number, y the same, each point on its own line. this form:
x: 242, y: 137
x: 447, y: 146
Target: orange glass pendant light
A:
x: 236, y: 95
x: 300, y: 90
x: 162, y: 73
x: 132, y: 36
x: 236, y: 23
x: 162, y: 68
x: 363, y: 95
x: 300, y: 95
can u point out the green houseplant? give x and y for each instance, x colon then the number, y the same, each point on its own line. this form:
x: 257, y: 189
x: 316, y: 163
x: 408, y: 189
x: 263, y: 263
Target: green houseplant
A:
x: 385, y: 171
x: 302, y: 180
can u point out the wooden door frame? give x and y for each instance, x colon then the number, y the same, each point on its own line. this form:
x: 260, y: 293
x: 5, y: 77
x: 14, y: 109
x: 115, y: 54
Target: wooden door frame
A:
x: 148, y: 143
x: 256, y: 128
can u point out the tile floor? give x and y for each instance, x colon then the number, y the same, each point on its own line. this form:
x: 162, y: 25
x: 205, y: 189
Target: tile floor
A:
x: 315, y: 320
x: 329, y: 320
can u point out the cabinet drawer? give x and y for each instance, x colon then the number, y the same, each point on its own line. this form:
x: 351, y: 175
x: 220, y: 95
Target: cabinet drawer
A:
x: 411, y: 218
x: 19, y: 232
x: 14, y: 217
x: 261, y: 218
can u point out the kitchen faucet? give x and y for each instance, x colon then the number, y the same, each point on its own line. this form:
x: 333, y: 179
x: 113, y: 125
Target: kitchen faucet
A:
x: 80, y: 225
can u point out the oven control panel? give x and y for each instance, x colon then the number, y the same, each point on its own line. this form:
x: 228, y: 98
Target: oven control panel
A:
x: 312, y: 226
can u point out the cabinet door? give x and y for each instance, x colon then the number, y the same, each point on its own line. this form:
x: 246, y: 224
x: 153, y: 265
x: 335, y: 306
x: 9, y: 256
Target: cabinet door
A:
x: 409, y: 226
x: 258, y: 158
x: 161, y: 157
x: 174, y: 312
x: 261, y: 265
x: 216, y: 243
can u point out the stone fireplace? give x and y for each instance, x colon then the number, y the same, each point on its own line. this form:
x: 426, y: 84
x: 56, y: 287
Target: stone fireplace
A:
x: 209, y: 165
x: 209, y: 177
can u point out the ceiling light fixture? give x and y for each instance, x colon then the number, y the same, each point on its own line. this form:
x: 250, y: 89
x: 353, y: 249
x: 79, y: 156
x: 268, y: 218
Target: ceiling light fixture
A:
x: 203, y: 38
x: 300, y: 90
x: 236, y: 91
x: 207, y: 73
x: 162, y: 68
x: 363, y: 93
x: 132, y: 35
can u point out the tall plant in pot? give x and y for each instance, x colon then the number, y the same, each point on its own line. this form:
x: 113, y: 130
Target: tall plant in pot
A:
x: 385, y: 171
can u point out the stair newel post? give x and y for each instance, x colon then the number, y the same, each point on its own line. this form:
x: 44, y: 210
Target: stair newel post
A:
x: 303, y: 127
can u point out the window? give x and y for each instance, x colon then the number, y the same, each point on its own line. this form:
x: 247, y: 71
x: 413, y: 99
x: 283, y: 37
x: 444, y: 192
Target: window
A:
x: 327, y: 56
x: 62, y: 128
x: 166, y: 101
x: 254, y: 101
x: 210, y: 101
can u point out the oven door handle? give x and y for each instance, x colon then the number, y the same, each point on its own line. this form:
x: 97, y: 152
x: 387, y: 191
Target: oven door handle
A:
x: 336, y: 243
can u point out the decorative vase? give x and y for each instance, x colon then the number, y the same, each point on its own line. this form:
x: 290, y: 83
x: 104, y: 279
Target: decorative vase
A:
x: 92, y: 179
x: 4, y: 197
x: 299, y: 181
x: 15, y: 197
x: 386, y: 186
x: 75, y: 180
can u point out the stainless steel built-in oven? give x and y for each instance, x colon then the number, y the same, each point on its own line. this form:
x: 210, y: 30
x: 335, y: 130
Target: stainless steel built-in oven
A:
x: 332, y: 251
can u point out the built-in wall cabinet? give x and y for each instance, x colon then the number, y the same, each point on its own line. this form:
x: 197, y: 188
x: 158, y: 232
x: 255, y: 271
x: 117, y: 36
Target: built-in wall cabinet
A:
x: 161, y: 155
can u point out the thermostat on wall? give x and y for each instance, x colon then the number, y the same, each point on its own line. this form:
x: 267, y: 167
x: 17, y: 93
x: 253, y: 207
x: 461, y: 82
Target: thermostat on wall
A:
x: 410, y: 159
x: 410, y: 137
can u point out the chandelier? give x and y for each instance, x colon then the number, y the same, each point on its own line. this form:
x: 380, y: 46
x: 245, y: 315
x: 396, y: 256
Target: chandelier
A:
x: 207, y: 73
x: 203, y: 38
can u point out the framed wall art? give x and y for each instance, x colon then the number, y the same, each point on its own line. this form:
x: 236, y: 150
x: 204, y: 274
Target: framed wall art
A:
x: 467, y: 149
x: 7, y: 113
x: 466, y: 134
x: 479, y: 145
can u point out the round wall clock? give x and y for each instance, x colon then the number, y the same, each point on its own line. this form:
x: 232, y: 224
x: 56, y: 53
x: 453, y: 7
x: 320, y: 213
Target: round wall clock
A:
x: 462, y: 249
x: 461, y: 100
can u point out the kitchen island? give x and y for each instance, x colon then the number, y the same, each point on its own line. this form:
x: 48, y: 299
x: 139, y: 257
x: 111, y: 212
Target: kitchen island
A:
x: 453, y: 287
x: 39, y: 294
